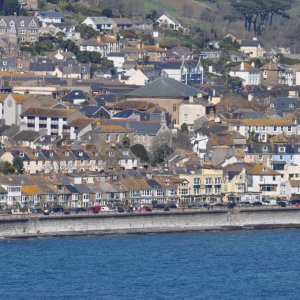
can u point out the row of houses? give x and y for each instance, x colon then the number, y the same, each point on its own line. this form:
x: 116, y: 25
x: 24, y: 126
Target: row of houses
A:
x: 237, y: 182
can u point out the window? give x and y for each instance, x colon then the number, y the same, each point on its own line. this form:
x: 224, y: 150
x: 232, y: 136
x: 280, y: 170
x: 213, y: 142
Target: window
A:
x: 289, y: 128
x: 208, y: 180
x: 274, y: 178
x: 261, y: 178
x: 275, y: 128
x: 146, y: 192
x: 281, y: 157
x: 117, y: 137
x: 174, y: 107
x: 111, y: 154
x: 264, y: 128
x: 108, y: 138
x: 281, y: 149
x: 184, y: 191
x: 196, y: 181
x: 218, y: 180
x: 4, y: 63
x: 291, y: 105
x: 159, y: 193
x: 22, y: 23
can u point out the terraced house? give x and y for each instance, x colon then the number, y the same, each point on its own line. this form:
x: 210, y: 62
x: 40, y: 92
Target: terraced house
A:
x: 22, y: 28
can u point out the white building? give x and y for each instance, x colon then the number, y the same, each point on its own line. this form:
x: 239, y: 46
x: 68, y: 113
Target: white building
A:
x: 50, y: 16
x: 248, y: 73
x: 104, y: 46
x: 118, y: 59
x: 265, y: 181
x: 166, y: 20
x: 99, y: 23
x: 52, y: 121
x: 260, y: 129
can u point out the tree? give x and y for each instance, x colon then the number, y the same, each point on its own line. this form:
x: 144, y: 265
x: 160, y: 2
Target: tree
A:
x: 126, y: 142
x: 160, y: 154
x: 6, y: 167
x: 259, y: 14
x: 140, y: 151
x: 86, y: 32
x: 18, y: 164
x: 184, y: 127
x: 10, y: 7
x: 107, y: 12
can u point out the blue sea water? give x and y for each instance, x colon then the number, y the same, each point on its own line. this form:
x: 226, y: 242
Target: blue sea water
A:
x: 215, y: 265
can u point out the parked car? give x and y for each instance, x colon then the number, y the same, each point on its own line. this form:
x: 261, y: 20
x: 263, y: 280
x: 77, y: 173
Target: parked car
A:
x: 231, y: 204
x: 166, y: 208
x: 78, y: 209
x: 158, y: 206
x: 281, y: 203
x: 37, y: 211
x: 56, y: 210
x: 256, y: 203
x: 294, y: 201
x: 173, y: 206
x: 269, y: 202
x: 95, y: 209
x: 120, y: 209
x: 244, y: 203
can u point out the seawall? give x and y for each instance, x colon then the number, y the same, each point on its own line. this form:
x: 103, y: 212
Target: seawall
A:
x: 125, y: 223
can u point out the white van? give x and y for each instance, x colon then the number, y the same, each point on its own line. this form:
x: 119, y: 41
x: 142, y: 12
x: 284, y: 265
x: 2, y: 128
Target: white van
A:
x: 269, y: 202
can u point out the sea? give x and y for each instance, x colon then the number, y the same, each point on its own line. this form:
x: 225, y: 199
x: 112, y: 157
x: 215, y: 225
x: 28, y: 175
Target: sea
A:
x: 262, y: 264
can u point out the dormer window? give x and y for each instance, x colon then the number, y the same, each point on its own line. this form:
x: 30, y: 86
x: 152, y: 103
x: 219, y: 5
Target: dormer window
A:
x: 51, y: 154
x: 80, y: 153
x: 111, y: 154
x: 272, y: 105
x: 281, y: 149
x: 21, y: 154
x: 291, y: 105
x: 11, y: 23
x: 265, y: 148
x: 22, y: 23
x: 125, y: 152
x: 4, y: 63
x: 36, y: 154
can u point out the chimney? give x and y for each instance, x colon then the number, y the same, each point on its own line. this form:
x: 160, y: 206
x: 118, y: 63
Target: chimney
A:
x: 242, y: 66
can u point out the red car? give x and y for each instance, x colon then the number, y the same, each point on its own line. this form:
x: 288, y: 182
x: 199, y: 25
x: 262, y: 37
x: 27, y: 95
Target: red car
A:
x: 95, y: 209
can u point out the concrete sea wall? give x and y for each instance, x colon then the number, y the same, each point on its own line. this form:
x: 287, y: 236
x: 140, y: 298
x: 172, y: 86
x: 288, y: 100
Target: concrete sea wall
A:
x: 29, y: 226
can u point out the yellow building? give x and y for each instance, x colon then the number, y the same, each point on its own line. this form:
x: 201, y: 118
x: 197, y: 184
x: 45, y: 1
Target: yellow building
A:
x: 205, y: 185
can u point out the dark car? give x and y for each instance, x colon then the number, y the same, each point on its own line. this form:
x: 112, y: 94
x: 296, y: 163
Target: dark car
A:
x: 158, y: 206
x: 256, y: 203
x: 281, y: 203
x: 56, y: 210
x: 231, y: 204
x: 120, y: 209
x: 166, y: 208
x: 78, y: 209
x: 37, y: 211
x: 172, y: 206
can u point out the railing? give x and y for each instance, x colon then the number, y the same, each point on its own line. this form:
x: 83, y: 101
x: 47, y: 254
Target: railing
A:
x: 210, y: 209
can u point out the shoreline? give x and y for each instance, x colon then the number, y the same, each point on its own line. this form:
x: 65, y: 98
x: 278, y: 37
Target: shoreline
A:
x: 146, y: 231
x: 148, y: 223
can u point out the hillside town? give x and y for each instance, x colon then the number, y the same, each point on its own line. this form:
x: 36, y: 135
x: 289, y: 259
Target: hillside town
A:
x: 104, y: 113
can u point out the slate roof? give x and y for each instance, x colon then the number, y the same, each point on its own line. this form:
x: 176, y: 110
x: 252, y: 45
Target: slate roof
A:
x: 101, y: 20
x: 51, y: 14
x: 116, y: 54
x: 140, y: 127
x: 249, y: 43
x: 91, y: 110
x: 41, y: 67
x: 285, y: 104
x: 75, y: 95
x: 19, y: 20
x: 165, y: 87
x: 26, y: 135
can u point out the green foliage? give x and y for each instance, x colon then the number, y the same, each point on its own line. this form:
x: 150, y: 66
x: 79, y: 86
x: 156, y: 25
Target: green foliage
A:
x: 184, y: 127
x: 6, y: 167
x: 160, y: 154
x: 9, y: 7
x: 259, y: 14
x: 288, y: 61
x: 126, y: 142
x: 86, y: 32
x: 140, y: 151
x: 107, y: 12
x: 18, y: 164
